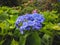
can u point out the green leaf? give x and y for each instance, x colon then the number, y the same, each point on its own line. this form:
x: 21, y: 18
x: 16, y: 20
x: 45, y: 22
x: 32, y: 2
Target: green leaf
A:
x: 1, y: 11
x: 12, y: 19
x: 47, y: 39
x: 2, y: 25
x: 14, y: 12
x: 1, y: 42
x: 23, y: 38
x: 33, y: 39
x: 14, y: 42
x: 3, y: 17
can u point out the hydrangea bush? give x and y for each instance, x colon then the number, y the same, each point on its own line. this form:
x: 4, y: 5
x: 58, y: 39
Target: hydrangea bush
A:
x: 34, y: 30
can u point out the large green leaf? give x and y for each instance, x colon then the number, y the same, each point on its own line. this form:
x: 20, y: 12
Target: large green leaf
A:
x: 33, y: 39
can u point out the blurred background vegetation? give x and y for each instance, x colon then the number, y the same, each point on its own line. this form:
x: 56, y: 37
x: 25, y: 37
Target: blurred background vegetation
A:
x: 40, y: 4
x: 11, y: 9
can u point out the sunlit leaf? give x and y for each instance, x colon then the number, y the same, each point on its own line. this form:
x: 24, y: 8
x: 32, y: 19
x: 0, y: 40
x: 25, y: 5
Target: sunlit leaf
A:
x: 14, y: 42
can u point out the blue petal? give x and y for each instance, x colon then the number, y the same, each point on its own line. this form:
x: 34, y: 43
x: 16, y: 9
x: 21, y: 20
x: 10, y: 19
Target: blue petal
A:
x: 29, y: 17
x: 30, y: 23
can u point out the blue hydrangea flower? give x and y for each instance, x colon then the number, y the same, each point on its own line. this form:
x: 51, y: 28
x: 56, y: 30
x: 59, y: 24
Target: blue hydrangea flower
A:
x: 19, y: 20
x: 38, y: 17
x: 29, y: 17
x: 29, y: 22
x: 37, y: 26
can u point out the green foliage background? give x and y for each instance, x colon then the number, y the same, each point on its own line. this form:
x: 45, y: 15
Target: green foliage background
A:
x: 48, y: 35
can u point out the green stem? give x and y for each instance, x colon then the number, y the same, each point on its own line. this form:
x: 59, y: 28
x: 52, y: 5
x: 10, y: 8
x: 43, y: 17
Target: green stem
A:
x: 22, y: 40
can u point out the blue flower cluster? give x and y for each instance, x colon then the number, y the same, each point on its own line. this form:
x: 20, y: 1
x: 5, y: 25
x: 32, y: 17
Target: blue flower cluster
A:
x: 29, y: 22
